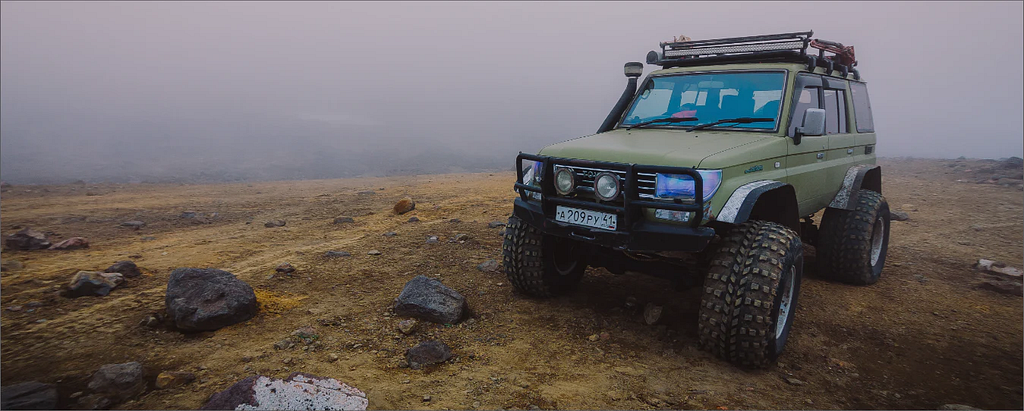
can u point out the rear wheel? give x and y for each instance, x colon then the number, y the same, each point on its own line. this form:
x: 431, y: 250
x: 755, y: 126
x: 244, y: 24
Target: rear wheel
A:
x: 539, y: 265
x: 854, y: 243
x: 750, y: 293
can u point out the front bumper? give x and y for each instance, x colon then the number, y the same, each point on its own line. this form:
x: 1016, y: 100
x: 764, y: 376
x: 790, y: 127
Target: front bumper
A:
x: 635, y: 233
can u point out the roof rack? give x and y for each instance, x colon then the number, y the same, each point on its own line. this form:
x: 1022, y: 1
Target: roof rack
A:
x: 785, y: 47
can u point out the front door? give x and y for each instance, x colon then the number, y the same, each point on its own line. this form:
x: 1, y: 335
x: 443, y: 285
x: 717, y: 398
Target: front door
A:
x: 806, y: 165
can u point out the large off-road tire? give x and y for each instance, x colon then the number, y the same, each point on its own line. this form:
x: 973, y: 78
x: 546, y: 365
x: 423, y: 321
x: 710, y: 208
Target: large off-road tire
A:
x: 539, y: 265
x: 853, y: 243
x: 750, y: 293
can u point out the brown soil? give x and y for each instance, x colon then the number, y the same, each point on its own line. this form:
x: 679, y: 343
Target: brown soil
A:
x: 922, y: 337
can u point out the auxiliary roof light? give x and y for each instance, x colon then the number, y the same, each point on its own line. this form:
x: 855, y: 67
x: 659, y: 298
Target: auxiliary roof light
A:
x: 634, y: 69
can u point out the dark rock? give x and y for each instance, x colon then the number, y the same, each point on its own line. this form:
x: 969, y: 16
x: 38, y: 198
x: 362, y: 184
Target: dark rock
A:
x: 95, y: 402
x: 432, y: 239
x: 93, y: 283
x: 208, y: 299
x: 71, y: 244
x: 899, y: 216
x: 174, y: 379
x: 495, y: 224
x: 343, y: 220
x: 134, y: 224
x: 298, y: 391
x: 405, y: 205
x: 28, y: 396
x: 794, y: 381
x: 285, y: 268
x: 127, y: 268
x: 119, y: 381
x: 427, y: 299
x: 274, y: 223
x: 458, y: 238
x: 307, y: 334
x: 26, y: 239
x: 284, y: 344
x: 373, y: 252
x: 455, y: 220
x: 1002, y: 286
x: 335, y: 254
x: 428, y: 353
x: 414, y: 219
x: 188, y: 214
x: 390, y: 234
x: 488, y: 266
x: 148, y: 238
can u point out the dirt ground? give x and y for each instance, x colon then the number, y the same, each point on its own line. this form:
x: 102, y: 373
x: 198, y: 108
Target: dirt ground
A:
x: 921, y: 337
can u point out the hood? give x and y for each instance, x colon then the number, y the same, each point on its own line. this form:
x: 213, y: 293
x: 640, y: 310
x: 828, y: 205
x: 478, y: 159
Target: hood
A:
x: 661, y: 147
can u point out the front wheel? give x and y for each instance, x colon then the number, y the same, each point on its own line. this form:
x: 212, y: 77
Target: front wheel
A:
x: 853, y: 243
x: 750, y: 293
x: 539, y: 265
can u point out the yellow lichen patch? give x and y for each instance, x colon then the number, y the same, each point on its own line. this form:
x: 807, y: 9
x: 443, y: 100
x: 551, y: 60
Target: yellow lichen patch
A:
x: 274, y: 303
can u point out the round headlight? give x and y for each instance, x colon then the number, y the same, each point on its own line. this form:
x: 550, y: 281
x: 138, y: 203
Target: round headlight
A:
x: 565, y: 181
x: 606, y: 186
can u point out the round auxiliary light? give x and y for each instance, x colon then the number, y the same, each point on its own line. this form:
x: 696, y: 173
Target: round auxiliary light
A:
x: 565, y: 181
x: 634, y: 69
x: 606, y: 186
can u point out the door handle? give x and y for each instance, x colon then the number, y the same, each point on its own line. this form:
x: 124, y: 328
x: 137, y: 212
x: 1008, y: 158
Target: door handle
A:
x: 849, y: 151
x: 821, y: 156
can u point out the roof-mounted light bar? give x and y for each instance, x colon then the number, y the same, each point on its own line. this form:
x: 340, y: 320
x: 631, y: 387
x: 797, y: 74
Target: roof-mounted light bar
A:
x: 742, y: 48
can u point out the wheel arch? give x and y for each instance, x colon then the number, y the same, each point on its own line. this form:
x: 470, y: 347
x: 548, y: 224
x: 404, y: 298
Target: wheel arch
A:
x: 767, y: 200
x: 859, y: 177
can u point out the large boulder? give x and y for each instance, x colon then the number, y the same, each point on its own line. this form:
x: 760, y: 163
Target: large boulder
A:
x: 208, y: 299
x: 297, y: 392
x: 27, y: 239
x: 428, y: 299
x: 404, y: 205
x: 28, y: 396
x: 93, y: 283
x: 118, y: 381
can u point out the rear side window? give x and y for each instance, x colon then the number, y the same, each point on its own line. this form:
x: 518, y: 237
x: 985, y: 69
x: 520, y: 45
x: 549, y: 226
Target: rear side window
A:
x: 835, y: 112
x: 808, y: 99
x: 862, y: 107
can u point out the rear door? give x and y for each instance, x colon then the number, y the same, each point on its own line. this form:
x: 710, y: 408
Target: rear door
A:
x: 805, y: 164
x: 844, y: 150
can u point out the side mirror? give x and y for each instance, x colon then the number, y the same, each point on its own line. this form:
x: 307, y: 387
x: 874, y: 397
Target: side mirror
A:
x: 813, y: 125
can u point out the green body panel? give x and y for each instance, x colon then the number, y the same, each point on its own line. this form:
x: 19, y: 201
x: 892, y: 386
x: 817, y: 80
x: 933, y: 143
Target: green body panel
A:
x: 815, y: 168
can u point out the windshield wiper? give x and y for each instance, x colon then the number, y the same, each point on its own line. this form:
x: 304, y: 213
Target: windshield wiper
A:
x: 740, y: 120
x: 662, y: 120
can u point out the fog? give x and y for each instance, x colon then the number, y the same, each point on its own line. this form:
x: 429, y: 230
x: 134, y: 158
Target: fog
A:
x: 225, y: 91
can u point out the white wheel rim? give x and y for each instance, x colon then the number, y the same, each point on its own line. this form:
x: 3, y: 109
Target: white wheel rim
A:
x: 877, y: 236
x: 786, y: 304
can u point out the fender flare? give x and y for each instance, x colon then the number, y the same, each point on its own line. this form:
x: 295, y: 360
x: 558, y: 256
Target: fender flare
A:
x: 740, y: 205
x: 864, y: 176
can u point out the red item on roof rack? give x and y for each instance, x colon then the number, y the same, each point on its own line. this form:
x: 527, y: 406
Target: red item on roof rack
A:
x: 844, y: 54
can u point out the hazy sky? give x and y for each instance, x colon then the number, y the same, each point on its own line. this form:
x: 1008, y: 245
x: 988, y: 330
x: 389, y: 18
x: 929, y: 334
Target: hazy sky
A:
x: 173, y: 86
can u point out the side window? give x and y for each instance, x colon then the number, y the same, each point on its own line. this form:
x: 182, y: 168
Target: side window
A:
x: 808, y: 99
x: 835, y: 112
x: 861, y: 107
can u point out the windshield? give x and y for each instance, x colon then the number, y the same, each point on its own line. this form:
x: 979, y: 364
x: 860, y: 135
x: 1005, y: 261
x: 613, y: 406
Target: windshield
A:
x: 709, y: 98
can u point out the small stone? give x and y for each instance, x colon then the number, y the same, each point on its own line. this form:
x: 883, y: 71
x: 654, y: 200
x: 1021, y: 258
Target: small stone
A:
x: 127, y: 268
x: 407, y: 327
x: 332, y: 357
x: 285, y: 268
x: 337, y: 254
x: 899, y: 216
x: 93, y: 283
x: 95, y: 402
x: 390, y: 234
x: 344, y: 220
x: 134, y: 224
x: 594, y: 337
x: 373, y: 252
x: 957, y: 407
x: 72, y: 243
x: 404, y: 206
x: 148, y: 238
x: 275, y: 223
x: 605, y: 336
x: 488, y: 266
x: 794, y: 381
x: 284, y: 344
x: 432, y: 239
x: 1002, y: 286
x: 652, y: 313
x: 120, y: 381
x: 413, y: 220
x: 459, y: 238
x: 495, y: 224
x: 428, y: 353
x: 75, y: 394
x: 476, y: 404
x: 455, y: 220
x: 246, y: 359
x: 174, y: 379
x: 426, y: 398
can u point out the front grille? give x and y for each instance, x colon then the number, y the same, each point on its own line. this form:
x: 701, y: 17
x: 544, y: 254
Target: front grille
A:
x: 585, y: 182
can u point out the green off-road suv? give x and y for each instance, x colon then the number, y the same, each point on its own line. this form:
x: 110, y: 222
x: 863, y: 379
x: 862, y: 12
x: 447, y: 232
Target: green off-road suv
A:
x: 708, y: 173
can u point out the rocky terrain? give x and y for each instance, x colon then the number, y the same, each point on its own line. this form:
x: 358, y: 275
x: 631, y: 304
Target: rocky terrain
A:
x: 95, y: 313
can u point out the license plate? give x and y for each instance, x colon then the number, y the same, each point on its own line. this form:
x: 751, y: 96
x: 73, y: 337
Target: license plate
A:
x: 588, y: 218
